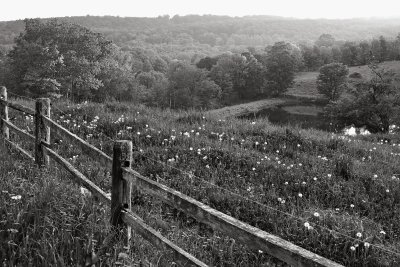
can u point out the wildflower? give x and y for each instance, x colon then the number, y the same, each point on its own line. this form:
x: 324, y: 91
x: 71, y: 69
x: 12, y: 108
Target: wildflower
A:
x: 286, y: 183
x: 298, y: 145
x: 315, y: 178
x: 190, y: 148
x: 300, y: 164
x: 382, y: 232
x: 300, y: 195
x: 207, y: 166
x: 254, y: 169
x: 303, y: 183
x: 316, y: 214
x: 85, y: 192
x: 253, y: 122
x: 351, y: 205
x: 375, y: 176
x: 138, y: 133
x: 329, y: 175
x: 366, y: 244
x: 387, y: 191
x: 352, y: 248
x: 283, y: 201
x: 359, y: 235
x: 279, y: 199
x: 17, y: 197
x: 148, y: 136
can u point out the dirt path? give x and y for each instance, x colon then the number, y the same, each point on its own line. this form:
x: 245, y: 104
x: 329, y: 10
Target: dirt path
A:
x: 236, y: 110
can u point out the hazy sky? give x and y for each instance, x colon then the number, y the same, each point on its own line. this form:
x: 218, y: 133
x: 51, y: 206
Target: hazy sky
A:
x: 20, y: 9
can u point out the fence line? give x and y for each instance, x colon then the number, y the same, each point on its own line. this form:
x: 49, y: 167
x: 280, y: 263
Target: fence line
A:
x: 123, y: 177
x: 297, y: 218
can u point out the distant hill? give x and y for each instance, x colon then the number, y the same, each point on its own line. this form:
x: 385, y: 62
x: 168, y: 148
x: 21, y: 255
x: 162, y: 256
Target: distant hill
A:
x: 220, y: 32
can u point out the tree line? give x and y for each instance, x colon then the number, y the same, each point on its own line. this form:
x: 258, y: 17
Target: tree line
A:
x: 64, y: 59
x: 61, y: 59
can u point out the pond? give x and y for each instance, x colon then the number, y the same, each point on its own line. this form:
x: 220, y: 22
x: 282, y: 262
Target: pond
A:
x: 304, y: 115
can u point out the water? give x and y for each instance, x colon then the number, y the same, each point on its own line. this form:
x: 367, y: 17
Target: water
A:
x: 304, y: 116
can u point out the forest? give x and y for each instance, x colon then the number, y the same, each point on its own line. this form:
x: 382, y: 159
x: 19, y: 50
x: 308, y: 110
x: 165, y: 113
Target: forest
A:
x: 180, y: 62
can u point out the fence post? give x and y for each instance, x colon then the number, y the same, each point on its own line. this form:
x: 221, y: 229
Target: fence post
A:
x: 4, y: 114
x: 42, y: 132
x: 121, y: 189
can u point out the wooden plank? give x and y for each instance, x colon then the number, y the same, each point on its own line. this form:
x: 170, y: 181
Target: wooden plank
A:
x: 4, y: 113
x: 19, y: 149
x: 93, y: 152
x: 121, y: 189
x: 79, y: 177
x: 42, y: 131
x: 18, y: 107
x: 251, y: 236
x: 19, y: 132
x: 156, y: 239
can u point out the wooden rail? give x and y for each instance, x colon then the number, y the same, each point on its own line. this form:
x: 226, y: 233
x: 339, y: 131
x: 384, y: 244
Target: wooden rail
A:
x: 79, y: 177
x: 245, y: 233
x: 123, y: 178
x: 157, y: 240
x: 88, y: 149
x: 19, y: 149
x: 18, y: 107
x: 21, y: 133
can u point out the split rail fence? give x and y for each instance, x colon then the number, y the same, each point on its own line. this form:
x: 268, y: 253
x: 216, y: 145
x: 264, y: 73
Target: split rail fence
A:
x: 124, y: 177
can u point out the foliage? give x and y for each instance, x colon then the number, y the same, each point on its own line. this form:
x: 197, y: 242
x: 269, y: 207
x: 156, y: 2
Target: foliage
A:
x: 374, y: 104
x: 189, y: 87
x: 282, y: 61
x: 58, y: 57
x: 331, y: 80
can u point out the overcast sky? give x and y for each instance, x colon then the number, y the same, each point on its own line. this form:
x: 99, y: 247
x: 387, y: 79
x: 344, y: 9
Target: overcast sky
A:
x: 20, y: 9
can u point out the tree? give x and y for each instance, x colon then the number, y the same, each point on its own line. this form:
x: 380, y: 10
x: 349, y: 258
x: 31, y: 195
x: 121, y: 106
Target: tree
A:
x: 326, y: 40
x: 374, y: 104
x: 190, y: 87
x: 332, y: 79
x: 349, y: 54
x: 230, y: 74
x: 57, y: 56
x: 207, y: 63
x: 282, y: 61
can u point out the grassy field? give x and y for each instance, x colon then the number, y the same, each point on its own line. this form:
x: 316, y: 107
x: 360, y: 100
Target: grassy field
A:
x: 305, y: 82
x: 336, y: 196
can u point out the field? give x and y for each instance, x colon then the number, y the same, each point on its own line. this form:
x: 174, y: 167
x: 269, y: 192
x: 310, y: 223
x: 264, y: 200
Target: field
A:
x: 305, y: 82
x: 336, y: 196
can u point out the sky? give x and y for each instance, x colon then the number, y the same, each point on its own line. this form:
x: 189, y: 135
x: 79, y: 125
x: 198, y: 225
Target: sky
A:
x: 332, y: 9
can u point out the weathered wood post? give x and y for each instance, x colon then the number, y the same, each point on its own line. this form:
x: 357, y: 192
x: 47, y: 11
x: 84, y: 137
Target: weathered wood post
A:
x: 121, y: 189
x: 42, y: 132
x: 4, y: 113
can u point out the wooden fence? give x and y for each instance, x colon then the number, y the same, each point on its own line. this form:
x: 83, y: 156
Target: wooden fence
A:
x: 124, y: 177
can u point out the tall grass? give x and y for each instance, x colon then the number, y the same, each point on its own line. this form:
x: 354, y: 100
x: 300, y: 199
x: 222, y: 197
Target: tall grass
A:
x: 336, y: 196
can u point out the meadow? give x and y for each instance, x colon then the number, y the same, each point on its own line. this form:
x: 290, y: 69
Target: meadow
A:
x: 334, y: 195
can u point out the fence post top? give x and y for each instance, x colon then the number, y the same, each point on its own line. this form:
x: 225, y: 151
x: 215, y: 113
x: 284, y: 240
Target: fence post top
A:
x: 123, y: 144
x: 43, y: 99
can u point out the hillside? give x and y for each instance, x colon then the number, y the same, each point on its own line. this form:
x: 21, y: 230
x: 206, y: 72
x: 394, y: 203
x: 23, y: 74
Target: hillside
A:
x: 220, y: 32
x: 333, y: 195
x: 305, y: 82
